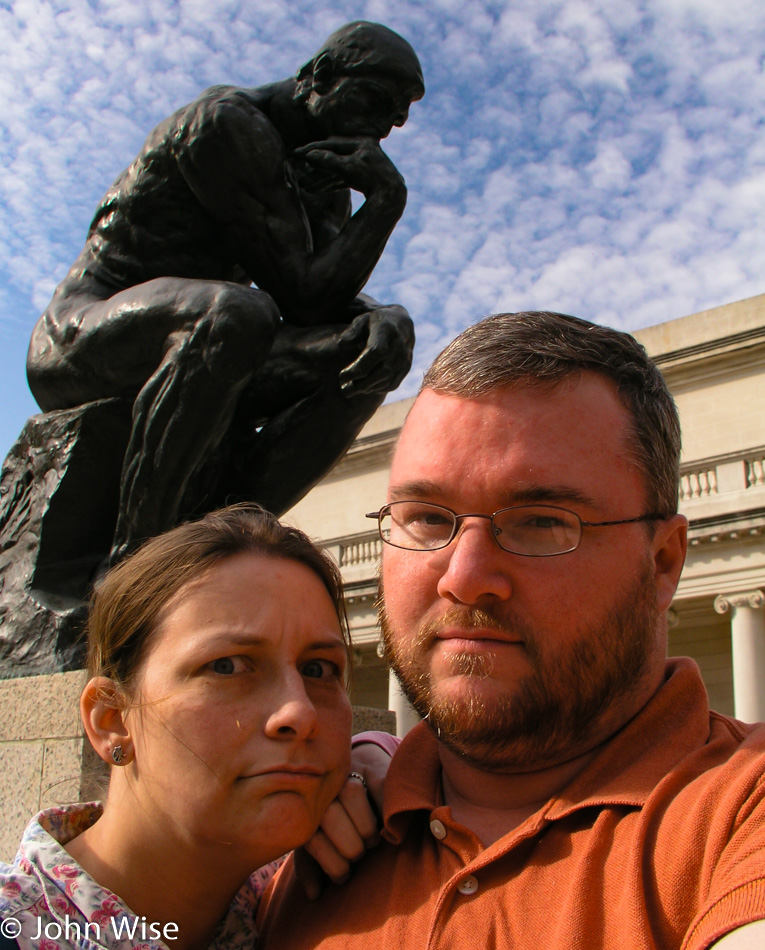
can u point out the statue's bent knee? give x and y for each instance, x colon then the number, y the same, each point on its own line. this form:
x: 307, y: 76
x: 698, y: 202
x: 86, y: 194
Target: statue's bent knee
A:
x: 238, y: 330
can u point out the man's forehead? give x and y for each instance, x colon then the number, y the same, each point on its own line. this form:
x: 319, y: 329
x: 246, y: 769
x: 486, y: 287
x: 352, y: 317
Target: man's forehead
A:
x: 571, y: 411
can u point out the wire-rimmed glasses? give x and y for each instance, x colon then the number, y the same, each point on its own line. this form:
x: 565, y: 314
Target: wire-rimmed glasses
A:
x: 528, y: 530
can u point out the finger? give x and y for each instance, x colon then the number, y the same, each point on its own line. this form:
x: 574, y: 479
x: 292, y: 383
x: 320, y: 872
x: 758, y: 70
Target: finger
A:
x: 325, y: 159
x: 334, y: 865
x: 359, y: 811
x: 308, y: 873
x: 357, y: 330
x: 366, y: 375
x: 360, y: 367
x: 339, y: 144
x: 339, y: 827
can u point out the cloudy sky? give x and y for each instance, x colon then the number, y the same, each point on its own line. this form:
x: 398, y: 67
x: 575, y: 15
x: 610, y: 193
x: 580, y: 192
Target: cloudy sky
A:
x: 601, y: 157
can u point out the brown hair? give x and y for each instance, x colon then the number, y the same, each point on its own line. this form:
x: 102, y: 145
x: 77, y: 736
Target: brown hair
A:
x: 126, y: 604
x: 544, y: 347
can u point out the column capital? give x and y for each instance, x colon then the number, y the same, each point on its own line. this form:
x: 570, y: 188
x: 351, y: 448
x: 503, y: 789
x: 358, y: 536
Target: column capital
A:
x: 748, y: 598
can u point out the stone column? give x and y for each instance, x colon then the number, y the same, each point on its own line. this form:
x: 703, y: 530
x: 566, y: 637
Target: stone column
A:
x: 748, y: 641
x: 406, y: 717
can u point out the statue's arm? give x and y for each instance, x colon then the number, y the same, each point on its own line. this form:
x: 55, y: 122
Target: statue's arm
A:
x: 233, y: 159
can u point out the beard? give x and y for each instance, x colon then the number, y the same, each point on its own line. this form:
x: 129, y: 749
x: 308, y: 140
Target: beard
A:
x: 553, y: 712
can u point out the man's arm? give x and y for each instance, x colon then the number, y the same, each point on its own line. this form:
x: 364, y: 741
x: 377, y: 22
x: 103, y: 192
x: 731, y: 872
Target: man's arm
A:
x: 233, y: 159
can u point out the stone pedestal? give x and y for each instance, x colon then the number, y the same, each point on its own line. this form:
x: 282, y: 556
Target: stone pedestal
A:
x: 45, y: 759
x: 59, y: 494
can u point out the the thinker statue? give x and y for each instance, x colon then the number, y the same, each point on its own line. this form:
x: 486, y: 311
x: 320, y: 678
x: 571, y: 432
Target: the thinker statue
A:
x: 234, y: 392
x: 242, y: 186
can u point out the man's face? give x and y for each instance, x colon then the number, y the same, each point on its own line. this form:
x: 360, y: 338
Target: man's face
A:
x: 519, y: 662
x: 361, y: 106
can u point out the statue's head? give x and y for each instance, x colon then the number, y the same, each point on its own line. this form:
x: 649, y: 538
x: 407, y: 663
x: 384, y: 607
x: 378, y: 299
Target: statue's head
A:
x: 362, y: 81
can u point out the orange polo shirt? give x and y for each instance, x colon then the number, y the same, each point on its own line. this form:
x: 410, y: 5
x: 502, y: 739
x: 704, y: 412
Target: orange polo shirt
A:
x: 658, y: 843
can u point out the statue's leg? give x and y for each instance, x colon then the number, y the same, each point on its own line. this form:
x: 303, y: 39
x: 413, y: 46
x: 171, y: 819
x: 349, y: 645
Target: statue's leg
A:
x: 186, y: 407
x: 93, y: 344
x: 309, y: 423
x: 182, y: 350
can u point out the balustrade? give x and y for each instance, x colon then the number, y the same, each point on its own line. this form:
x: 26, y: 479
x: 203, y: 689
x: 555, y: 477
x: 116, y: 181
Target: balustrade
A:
x: 361, y: 551
x: 700, y: 483
x: 755, y: 472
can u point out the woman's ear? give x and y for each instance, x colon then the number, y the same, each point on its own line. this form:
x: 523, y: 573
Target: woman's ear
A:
x: 102, y: 708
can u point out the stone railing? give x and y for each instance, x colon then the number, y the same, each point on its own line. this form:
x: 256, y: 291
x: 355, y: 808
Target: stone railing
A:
x: 755, y: 471
x: 698, y: 483
x: 712, y: 477
x: 363, y: 550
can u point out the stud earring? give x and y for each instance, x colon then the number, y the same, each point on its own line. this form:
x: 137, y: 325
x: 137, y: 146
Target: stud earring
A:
x: 117, y: 755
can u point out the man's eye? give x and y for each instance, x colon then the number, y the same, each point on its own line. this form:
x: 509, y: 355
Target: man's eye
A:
x: 320, y: 669
x: 427, y: 519
x: 434, y: 520
x: 543, y: 521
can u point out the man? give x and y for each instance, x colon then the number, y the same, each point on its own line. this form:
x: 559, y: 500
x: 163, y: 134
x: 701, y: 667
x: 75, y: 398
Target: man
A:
x: 241, y: 392
x: 569, y: 787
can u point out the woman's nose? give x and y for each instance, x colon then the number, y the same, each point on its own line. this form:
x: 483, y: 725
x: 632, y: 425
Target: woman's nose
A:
x: 293, y: 714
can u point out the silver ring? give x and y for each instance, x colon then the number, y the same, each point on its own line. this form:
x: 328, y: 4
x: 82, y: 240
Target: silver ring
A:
x: 359, y: 777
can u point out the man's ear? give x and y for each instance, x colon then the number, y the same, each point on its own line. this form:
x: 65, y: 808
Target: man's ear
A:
x: 102, y: 708
x: 324, y: 73
x: 670, y: 544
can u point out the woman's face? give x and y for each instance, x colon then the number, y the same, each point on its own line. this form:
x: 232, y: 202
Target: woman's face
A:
x: 241, y: 724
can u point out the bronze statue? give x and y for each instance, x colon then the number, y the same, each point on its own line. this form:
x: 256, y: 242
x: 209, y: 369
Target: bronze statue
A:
x: 236, y: 392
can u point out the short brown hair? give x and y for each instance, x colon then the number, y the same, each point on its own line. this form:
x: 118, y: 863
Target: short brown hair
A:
x: 545, y: 347
x: 126, y: 604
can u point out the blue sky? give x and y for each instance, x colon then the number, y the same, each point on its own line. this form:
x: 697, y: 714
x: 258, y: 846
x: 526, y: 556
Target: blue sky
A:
x: 601, y: 157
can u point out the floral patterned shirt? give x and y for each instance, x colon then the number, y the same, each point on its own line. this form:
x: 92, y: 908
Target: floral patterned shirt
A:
x: 60, y: 907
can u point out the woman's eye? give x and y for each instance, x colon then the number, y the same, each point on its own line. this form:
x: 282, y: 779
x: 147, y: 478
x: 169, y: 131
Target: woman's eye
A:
x: 320, y: 669
x: 227, y: 665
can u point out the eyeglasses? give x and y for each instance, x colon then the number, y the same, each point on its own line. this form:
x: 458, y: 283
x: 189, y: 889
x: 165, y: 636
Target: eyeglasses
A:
x: 529, y: 530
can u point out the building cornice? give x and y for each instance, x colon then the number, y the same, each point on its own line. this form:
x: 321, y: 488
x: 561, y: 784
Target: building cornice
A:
x: 744, y: 340
x: 371, y: 451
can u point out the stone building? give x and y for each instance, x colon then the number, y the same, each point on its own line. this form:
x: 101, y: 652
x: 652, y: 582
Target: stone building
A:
x: 714, y: 363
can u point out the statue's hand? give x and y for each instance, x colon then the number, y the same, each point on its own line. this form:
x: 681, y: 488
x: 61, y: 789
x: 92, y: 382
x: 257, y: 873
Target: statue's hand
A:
x: 387, y: 354
x: 359, y: 163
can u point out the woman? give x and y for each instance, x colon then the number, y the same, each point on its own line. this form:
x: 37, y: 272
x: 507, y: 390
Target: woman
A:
x: 217, y: 656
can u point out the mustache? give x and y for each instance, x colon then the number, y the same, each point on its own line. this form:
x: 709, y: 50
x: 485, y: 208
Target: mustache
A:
x: 465, y: 617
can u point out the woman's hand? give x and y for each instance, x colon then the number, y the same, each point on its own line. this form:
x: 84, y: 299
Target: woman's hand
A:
x: 350, y: 826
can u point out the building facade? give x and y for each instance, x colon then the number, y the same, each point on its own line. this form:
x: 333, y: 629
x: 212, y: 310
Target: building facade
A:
x: 714, y: 363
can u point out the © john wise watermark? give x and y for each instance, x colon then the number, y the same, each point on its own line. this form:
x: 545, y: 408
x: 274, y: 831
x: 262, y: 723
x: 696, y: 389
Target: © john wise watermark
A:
x: 10, y: 928
x: 134, y: 928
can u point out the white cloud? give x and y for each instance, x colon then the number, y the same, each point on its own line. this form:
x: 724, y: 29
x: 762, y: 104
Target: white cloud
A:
x: 604, y: 159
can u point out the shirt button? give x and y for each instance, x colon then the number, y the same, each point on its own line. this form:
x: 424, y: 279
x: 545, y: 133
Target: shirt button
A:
x: 468, y: 885
x: 437, y: 828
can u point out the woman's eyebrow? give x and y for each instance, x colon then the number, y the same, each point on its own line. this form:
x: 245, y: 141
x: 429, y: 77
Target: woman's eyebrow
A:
x: 326, y: 645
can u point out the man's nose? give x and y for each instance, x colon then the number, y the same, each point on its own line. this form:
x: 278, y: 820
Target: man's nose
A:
x: 476, y: 568
x: 293, y: 714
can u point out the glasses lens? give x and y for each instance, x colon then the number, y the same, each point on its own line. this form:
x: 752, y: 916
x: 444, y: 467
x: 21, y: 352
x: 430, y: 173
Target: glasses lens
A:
x: 417, y: 525
x: 537, y: 530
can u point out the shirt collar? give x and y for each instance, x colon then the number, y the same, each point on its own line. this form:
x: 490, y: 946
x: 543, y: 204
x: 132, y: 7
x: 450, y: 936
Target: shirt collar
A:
x: 624, y: 771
